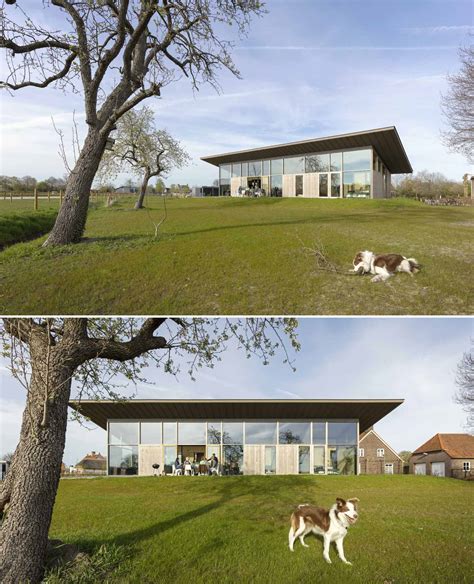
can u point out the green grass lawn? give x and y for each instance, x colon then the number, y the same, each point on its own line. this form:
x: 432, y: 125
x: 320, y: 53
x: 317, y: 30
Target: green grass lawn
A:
x: 18, y: 223
x: 234, y: 529
x: 244, y: 256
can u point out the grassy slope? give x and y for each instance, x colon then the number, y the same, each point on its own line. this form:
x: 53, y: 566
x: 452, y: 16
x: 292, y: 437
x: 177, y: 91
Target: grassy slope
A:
x: 227, y: 530
x: 233, y: 256
x: 18, y: 223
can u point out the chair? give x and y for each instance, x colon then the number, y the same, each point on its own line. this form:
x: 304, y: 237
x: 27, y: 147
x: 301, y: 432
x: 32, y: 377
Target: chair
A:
x: 188, y: 469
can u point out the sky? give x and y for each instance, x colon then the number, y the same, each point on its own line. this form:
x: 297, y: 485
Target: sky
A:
x: 355, y: 358
x: 309, y: 68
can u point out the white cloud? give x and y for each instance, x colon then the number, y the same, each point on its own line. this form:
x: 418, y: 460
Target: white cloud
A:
x: 439, y: 29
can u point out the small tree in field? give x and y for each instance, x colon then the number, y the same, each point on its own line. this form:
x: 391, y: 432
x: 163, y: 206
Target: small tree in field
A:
x: 116, y: 53
x: 458, y: 107
x: 160, y: 186
x: 139, y: 146
x: 465, y: 384
x: 50, y: 356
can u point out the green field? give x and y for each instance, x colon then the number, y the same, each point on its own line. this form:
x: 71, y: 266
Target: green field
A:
x: 244, y: 256
x: 234, y: 529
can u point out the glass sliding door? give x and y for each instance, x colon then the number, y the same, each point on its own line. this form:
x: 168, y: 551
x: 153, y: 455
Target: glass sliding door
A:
x: 303, y: 460
x: 299, y: 185
x: 335, y: 185
x: 323, y: 185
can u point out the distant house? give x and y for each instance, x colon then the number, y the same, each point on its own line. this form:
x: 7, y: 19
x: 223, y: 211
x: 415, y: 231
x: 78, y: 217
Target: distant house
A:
x: 445, y: 455
x: 93, y: 463
x: 204, y: 191
x: 126, y: 189
x: 376, y: 456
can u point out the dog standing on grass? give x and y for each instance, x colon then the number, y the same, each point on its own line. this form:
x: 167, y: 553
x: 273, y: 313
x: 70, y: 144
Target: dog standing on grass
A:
x: 383, y: 266
x: 332, y: 525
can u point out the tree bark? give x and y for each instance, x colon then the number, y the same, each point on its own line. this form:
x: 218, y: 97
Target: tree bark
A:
x: 141, y: 197
x: 71, y: 220
x: 35, y: 471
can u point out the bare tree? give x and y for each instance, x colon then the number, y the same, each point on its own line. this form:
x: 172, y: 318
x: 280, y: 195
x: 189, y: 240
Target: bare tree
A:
x: 458, y: 106
x: 117, y: 53
x: 148, y: 152
x: 48, y: 356
x: 465, y: 384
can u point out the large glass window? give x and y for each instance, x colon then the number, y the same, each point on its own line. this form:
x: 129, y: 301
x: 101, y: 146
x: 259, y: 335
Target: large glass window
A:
x: 170, y: 457
x: 319, y: 432
x: 357, y: 184
x: 123, y: 460
x: 298, y: 185
x: 191, y: 433
x: 255, y: 168
x: 169, y: 433
x: 357, y: 160
x: 318, y: 459
x: 317, y: 163
x: 236, y: 169
x: 277, y: 166
x: 232, y: 432
x: 123, y: 432
x: 294, y: 165
x: 342, y: 433
x: 224, y: 171
x: 336, y: 161
x: 150, y: 433
x: 266, y: 167
x: 224, y: 188
x: 233, y: 459
x: 295, y: 433
x: 245, y: 168
x: 270, y: 459
x: 323, y: 185
x: 214, y: 433
x: 335, y: 184
x: 260, y: 432
x: 303, y: 460
x: 276, y: 185
x: 341, y: 460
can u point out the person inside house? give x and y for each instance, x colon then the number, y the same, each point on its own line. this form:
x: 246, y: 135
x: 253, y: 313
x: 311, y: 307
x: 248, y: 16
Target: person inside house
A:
x: 213, y: 464
x: 178, y: 466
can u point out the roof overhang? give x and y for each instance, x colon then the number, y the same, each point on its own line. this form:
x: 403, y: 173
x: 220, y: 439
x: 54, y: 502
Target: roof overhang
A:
x: 386, y: 142
x: 367, y: 411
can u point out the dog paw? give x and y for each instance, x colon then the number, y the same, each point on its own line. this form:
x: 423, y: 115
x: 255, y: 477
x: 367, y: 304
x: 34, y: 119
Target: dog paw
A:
x: 305, y: 545
x: 348, y: 563
x: 328, y: 560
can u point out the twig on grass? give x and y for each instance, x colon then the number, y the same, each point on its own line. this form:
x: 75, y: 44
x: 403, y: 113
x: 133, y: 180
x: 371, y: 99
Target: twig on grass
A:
x: 323, y: 263
x: 159, y: 224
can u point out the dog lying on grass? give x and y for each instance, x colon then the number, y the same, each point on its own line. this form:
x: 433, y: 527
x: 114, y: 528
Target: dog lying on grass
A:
x: 332, y: 525
x: 383, y: 266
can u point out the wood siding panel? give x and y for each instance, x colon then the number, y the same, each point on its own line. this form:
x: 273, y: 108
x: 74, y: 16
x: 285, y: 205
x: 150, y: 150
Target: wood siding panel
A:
x: 311, y: 184
x: 234, y: 186
x: 254, y: 460
x: 148, y: 455
x: 289, y: 185
x: 287, y: 459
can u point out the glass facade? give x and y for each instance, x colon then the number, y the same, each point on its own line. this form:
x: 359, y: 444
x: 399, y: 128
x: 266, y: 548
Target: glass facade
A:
x: 320, y: 446
x: 341, y: 174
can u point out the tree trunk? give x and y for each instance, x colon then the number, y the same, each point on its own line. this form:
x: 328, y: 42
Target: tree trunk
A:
x: 71, y: 220
x: 35, y: 473
x: 141, y: 197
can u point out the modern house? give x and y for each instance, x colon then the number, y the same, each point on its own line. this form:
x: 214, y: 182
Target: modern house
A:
x: 247, y: 436
x: 376, y: 456
x: 92, y: 463
x: 358, y: 165
x: 445, y: 455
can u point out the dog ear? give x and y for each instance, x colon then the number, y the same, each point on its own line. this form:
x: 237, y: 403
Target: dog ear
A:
x: 354, y: 501
x: 340, y: 502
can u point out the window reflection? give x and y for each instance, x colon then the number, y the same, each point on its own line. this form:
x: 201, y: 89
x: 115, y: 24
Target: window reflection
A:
x: 335, y: 184
x: 294, y: 165
x: 260, y: 432
x: 169, y: 433
x: 317, y: 163
x: 336, y: 161
x: 342, y: 433
x: 123, y: 432
x: 298, y: 185
x: 277, y: 166
x: 266, y: 167
x: 150, y: 433
x: 214, y: 433
x: 356, y: 184
x: 357, y: 160
x: 123, y: 460
x: 233, y: 459
x: 319, y: 432
x: 233, y: 432
x: 270, y: 459
x: 236, y: 169
x: 341, y: 460
x: 191, y: 433
x: 294, y: 433
x: 303, y: 460
x: 276, y: 183
x: 318, y: 460
x: 255, y: 168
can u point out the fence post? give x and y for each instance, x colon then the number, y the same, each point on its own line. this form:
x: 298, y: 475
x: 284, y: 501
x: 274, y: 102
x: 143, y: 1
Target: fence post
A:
x: 49, y: 196
x: 36, y: 199
x: 60, y: 197
x: 11, y: 197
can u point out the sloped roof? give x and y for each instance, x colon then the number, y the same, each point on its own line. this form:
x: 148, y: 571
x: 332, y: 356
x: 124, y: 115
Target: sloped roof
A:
x: 386, y: 142
x: 455, y: 445
x: 93, y: 461
x: 367, y: 411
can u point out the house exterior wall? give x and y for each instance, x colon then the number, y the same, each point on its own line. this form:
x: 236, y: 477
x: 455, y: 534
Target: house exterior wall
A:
x: 128, y: 452
x: 453, y: 466
x: 370, y: 463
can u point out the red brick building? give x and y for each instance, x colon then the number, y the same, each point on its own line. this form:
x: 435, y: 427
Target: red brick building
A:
x: 376, y: 456
x: 445, y: 455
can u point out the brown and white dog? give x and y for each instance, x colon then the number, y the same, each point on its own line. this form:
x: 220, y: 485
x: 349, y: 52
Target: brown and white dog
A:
x: 383, y: 266
x: 332, y: 524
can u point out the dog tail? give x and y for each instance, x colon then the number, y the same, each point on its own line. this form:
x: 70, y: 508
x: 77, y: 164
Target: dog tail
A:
x: 414, y: 265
